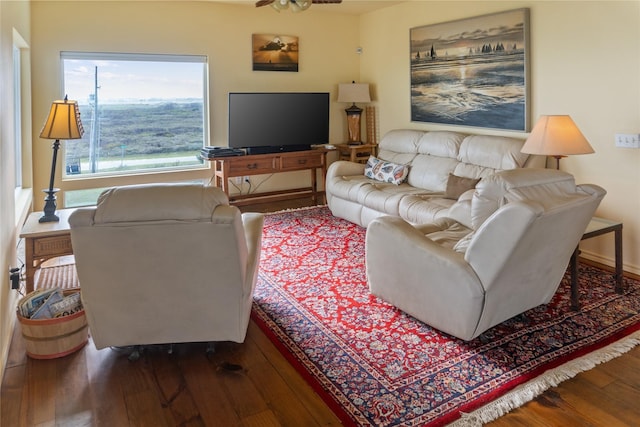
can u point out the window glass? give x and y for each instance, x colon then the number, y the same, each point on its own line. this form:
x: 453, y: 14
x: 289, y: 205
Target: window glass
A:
x: 140, y: 113
x: 17, y: 116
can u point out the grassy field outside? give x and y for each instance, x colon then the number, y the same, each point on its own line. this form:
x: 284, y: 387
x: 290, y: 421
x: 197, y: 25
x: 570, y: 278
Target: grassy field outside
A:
x: 131, y: 137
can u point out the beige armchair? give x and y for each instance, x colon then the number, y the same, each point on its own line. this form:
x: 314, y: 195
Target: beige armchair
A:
x: 166, y: 263
x: 465, y: 275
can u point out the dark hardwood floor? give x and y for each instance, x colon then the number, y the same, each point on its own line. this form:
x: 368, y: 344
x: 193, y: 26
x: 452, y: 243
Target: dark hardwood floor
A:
x: 250, y: 384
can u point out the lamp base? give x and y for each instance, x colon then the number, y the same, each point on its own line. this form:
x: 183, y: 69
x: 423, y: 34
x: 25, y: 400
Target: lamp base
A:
x: 353, y: 124
x: 50, y: 206
x: 558, y: 157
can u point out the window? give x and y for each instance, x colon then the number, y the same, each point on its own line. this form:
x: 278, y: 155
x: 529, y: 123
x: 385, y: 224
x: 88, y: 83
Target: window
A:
x: 17, y: 116
x: 140, y: 113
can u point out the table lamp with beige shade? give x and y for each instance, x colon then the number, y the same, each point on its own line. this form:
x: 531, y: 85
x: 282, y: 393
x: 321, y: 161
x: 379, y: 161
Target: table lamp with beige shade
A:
x: 556, y: 136
x: 63, y: 122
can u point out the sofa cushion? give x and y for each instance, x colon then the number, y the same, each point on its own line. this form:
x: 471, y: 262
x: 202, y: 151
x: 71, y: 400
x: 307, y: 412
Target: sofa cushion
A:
x: 440, y: 143
x: 518, y: 184
x: 495, y: 152
x: 445, y: 231
x: 431, y: 172
x: 384, y: 171
x: 383, y: 196
x: 401, y: 141
x: 424, y: 208
x: 456, y: 185
x: 399, y: 146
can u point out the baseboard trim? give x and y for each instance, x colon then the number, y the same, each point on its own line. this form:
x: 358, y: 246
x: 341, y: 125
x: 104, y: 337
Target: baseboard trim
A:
x: 608, y: 264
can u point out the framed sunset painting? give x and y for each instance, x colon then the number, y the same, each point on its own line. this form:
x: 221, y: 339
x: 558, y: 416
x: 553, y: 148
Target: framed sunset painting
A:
x: 272, y: 52
x: 472, y: 72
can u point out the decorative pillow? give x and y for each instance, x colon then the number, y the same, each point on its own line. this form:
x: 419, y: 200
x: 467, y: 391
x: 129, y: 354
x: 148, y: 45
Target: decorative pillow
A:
x: 456, y: 185
x: 384, y: 171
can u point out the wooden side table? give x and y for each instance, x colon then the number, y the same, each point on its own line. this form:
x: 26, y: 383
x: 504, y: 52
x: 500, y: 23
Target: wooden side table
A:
x: 43, y: 241
x: 356, y: 153
x: 598, y: 226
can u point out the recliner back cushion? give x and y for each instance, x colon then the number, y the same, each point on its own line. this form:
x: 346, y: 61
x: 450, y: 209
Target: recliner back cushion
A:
x: 431, y: 172
x: 436, y: 159
x: 401, y: 141
x: 154, y: 202
x: 518, y: 184
x: 483, y: 155
x: 495, y: 152
x: 440, y: 143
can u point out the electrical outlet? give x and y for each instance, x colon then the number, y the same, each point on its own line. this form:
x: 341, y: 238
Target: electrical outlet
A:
x: 246, y: 179
x: 628, y: 140
x: 14, y: 277
x: 238, y: 180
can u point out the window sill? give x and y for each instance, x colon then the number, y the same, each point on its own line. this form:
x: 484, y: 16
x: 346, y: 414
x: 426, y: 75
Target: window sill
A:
x: 23, y: 200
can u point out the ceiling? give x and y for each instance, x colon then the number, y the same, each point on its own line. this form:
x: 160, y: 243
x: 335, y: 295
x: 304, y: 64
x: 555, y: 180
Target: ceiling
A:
x: 354, y: 7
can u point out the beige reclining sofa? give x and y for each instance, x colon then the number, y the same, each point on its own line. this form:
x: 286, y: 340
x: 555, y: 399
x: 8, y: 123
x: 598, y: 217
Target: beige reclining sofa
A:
x: 439, y: 167
x: 503, y: 253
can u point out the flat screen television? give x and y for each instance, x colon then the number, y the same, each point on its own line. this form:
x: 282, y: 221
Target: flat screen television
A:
x: 270, y: 122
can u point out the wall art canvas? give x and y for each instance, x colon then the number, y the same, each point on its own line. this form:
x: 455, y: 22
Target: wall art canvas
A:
x: 472, y: 72
x: 275, y: 53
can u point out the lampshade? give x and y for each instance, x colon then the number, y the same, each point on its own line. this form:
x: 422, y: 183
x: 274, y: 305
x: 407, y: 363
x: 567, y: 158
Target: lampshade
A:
x: 556, y: 136
x: 353, y: 92
x: 63, y: 121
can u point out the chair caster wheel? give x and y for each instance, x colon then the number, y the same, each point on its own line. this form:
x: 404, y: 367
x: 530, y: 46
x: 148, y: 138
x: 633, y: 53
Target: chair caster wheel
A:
x: 211, y: 348
x: 135, y: 354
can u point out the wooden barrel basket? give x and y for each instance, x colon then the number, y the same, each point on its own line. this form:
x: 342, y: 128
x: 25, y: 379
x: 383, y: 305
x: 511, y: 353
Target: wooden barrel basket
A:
x: 58, y: 337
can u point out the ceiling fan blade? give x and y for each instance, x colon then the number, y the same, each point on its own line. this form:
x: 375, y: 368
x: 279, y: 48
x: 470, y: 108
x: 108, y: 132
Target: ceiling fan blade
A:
x: 261, y: 3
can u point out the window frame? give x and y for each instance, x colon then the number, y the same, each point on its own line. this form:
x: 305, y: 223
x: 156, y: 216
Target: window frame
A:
x: 141, y: 57
x: 17, y: 115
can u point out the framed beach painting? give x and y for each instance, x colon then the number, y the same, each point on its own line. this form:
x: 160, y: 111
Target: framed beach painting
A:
x: 271, y: 52
x: 472, y: 72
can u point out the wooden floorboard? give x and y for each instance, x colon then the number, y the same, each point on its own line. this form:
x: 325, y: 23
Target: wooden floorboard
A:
x: 251, y: 384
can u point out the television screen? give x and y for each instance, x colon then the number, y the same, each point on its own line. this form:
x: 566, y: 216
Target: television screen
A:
x: 285, y: 121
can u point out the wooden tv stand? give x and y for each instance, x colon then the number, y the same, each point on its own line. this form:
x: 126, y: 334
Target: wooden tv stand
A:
x: 261, y: 164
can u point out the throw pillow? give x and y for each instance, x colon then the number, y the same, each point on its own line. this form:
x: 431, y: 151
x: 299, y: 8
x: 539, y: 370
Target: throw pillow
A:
x: 456, y: 185
x: 384, y: 171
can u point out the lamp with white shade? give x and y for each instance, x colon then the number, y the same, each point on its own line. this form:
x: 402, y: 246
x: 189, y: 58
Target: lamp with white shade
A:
x: 352, y: 93
x: 556, y: 136
x: 63, y: 122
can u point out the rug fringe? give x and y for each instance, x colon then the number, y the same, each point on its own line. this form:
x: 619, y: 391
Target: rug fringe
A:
x: 304, y: 208
x: 528, y: 391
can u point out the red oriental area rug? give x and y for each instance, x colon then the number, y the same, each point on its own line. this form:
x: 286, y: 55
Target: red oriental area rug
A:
x: 376, y: 366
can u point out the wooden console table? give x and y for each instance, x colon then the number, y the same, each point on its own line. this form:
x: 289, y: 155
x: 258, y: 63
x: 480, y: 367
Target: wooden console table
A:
x: 43, y: 241
x: 261, y: 164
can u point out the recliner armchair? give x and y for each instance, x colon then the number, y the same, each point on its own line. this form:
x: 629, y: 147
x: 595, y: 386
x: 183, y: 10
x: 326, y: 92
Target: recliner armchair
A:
x: 503, y: 256
x: 166, y: 263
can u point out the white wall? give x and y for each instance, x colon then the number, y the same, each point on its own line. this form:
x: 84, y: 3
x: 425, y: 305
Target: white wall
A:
x: 585, y: 62
x: 14, y: 22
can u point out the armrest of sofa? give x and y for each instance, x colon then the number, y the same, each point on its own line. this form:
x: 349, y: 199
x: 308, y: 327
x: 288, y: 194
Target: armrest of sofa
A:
x: 82, y: 217
x: 495, y: 240
x: 345, y: 168
x: 421, y: 277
